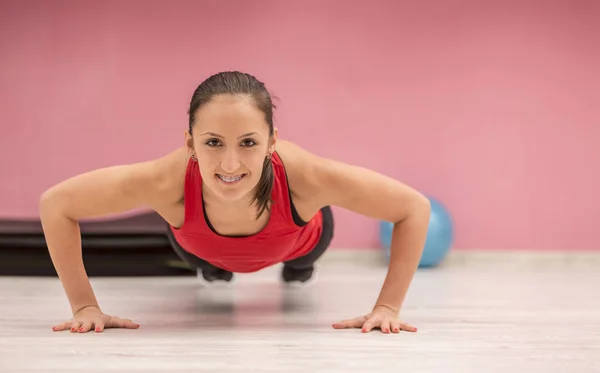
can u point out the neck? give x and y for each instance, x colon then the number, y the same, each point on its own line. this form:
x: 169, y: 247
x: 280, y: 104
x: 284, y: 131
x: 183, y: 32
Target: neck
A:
x: 239, y: 205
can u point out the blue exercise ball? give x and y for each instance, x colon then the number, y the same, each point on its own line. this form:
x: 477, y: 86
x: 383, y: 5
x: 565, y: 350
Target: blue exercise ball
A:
x: 440, y: 235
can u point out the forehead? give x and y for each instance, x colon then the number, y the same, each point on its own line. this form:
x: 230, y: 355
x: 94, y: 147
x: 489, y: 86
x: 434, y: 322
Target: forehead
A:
x: 230, y: 114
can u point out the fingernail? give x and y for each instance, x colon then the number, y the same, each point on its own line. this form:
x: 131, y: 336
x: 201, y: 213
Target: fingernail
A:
x: 364, y: 330
x: 386, y: 330
x: 80, y: 329
x: 396, y: 329
x: 97, y: 329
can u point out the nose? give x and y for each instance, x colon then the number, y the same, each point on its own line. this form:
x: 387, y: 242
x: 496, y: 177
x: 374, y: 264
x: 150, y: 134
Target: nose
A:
x: 230, y: 162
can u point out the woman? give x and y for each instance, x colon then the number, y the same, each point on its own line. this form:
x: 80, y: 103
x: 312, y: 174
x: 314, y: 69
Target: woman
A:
x: 236, y: 199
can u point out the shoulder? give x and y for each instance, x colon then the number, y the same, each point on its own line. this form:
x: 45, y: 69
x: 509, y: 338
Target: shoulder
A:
x: 304, y: 169
x: 328, y: 182
x: 165, y: 175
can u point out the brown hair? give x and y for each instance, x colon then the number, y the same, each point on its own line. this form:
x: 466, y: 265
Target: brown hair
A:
x: 238, y: 83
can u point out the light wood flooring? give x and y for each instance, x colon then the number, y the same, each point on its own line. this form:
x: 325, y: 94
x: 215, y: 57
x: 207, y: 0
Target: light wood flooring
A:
x: 493, y: 314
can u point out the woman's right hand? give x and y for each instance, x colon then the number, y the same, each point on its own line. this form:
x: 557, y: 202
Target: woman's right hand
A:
x: 92, y: 317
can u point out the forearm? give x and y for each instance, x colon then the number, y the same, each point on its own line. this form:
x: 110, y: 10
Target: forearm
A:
x: 408, y: 240
x: 63, y: 238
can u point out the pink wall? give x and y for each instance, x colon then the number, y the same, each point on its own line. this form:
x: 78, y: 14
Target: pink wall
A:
x: 491, y: 106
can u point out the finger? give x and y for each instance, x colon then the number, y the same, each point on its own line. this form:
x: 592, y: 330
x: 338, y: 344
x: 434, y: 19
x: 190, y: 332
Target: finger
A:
x: 385, y: 325
x: 130, y: 324
x: 407, y: 327
x: 370, y: 324
x: 75, y: 326
x: 345, y: 324
x: 112, y: 322
x: 116, y: 322
x: 395, y: 326
x: 85, y: 327
x: 62, y: 326
x: 350, y: 323
x: 356, y: 322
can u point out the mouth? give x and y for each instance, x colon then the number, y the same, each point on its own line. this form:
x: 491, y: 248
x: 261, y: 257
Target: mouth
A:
x: 230, y: 180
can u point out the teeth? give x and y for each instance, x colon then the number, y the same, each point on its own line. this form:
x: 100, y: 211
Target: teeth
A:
x: 230, y: 179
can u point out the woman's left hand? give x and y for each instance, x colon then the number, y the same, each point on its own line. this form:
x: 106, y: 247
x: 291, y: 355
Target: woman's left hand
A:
x: 381, y: 317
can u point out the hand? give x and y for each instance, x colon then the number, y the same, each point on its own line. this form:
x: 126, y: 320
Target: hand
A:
x: 381, y: 317
x: 92, y: 316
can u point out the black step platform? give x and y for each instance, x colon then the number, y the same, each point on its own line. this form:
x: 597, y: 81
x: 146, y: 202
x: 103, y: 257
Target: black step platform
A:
x: 125, y: 246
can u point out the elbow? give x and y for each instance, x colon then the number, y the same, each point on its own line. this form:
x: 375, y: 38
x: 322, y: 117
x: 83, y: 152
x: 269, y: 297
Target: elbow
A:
x: 50, y: 203
x: 424, y: 204
x: 420, y: 209
x: 423, y: 207
x: 47, y: 198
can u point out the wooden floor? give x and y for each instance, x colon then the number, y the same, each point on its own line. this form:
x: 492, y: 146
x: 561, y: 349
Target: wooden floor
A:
x: 496, y: 316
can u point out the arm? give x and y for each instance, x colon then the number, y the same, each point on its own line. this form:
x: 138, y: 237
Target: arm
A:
x: 374, y: 195
x: 329, y: 182
x: 97, y: 193
x: 380, y: 197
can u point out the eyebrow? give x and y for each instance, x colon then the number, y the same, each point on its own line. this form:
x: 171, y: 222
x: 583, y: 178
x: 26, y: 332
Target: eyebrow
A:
x: 221, y: 137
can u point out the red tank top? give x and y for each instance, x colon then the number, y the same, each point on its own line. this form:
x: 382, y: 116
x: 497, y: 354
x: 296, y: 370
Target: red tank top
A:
x: 282, y: 239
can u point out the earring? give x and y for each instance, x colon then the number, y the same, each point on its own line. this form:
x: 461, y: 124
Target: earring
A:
x: 193, y: 156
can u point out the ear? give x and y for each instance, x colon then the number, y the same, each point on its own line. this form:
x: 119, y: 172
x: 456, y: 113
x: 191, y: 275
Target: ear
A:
x: 273, y: 140
x: 189, y: 141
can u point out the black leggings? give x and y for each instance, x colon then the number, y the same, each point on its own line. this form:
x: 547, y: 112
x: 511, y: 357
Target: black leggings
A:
x: 302, y: 262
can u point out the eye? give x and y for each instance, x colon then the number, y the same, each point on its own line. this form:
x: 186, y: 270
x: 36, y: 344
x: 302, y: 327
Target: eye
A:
x: 248, y: 143
x: 213, y: 143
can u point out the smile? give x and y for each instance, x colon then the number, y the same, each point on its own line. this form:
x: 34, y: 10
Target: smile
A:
x: 230, y: 179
